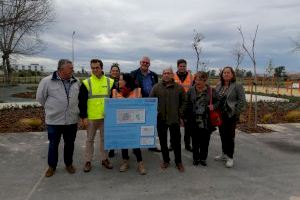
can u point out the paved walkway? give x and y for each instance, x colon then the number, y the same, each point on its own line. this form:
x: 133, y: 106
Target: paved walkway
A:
x: 267, y: 166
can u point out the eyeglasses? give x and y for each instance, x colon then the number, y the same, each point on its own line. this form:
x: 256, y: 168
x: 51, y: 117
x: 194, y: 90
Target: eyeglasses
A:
x: 182, y: 66
x: 145, y: 62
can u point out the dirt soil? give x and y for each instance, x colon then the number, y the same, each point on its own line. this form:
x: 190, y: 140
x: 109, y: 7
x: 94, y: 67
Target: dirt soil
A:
x: 10, y: 118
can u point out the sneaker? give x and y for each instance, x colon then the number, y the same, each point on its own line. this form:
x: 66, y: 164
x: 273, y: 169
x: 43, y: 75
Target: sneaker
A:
x: 87, y: 167
x: 141, y: 168
x: 50, y: 172
x: 124, y: 166
x: 222, y: 157
x: 107, y: 164
x: 70, y: 169
x: 164, y: 165
x: 180, y: 167
x: 229, y: 163
x: 188, y: 148
x: 111, y: 153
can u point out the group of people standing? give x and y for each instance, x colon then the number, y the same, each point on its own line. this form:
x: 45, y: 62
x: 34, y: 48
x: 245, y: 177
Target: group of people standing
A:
x: 183, y: 100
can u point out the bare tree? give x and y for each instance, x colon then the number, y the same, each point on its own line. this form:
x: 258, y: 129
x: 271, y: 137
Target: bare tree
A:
x: 296, y: 44
x: 21, y: 22
x: 238, y: 53
x: 251, y: 53
x: 197, y: 46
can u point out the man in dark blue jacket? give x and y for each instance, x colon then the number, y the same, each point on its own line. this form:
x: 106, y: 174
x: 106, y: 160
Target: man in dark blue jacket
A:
x: 145, y: 79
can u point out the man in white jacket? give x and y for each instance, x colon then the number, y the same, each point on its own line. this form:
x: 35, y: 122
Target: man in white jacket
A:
x: 58, y: 94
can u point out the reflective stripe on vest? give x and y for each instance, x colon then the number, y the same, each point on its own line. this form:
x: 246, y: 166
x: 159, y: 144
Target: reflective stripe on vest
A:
x: 91, y: 96
x: 187, y: 83
x: 96, y: 95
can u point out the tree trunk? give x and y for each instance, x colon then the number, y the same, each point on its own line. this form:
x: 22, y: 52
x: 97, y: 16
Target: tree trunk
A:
x: 197, y: 63
x: 9, y: 72
x: 7, y: 69
x: 4, y: 70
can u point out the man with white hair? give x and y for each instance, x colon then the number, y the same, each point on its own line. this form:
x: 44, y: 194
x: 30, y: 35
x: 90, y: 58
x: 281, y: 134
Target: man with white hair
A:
x: 145, y: 79
x: 171, y: 98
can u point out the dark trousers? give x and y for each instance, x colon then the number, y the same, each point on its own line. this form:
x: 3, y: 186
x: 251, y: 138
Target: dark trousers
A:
x: 137, y: 152
x: 162, y: 129
x: 227, y: 133
x: 187, y: 133
x: 54, y: 134
x: 201, y: 138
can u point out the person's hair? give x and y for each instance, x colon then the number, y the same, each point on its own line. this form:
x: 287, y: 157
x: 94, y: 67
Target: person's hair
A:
x: 145, y: 57
x: 181, y: 61
x: 168, y: 68
x: 233, y: 75
x: 201, y: 75
x: 97, y: 61
x: 130, y: 81
x: 62, y: 62
x: 114, y: 65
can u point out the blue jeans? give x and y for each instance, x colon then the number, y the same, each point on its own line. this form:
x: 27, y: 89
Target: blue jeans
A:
x: 54, y: 135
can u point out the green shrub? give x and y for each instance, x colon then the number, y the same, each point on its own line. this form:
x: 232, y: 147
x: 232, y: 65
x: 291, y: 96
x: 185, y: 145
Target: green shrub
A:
x: 34, y: 123
x: 293, y: 116
x: 267, y: 118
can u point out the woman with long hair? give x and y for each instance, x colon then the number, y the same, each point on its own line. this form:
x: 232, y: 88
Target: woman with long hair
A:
x: 232, y: 103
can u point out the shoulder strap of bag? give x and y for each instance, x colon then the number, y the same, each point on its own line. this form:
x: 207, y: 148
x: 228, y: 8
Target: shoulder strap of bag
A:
x: 210, y: 95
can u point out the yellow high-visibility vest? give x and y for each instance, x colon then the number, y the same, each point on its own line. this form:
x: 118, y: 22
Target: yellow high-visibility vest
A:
x: 98, y: 89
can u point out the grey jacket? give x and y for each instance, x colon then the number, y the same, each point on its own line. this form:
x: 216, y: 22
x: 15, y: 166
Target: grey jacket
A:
x: 60, y: 109
x: 235, y: 99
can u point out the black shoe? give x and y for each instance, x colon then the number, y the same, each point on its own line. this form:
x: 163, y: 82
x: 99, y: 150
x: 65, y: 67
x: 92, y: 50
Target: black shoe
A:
x: 196, y: 162
x: 188, y: 148
x: 203, y: 162
x: 111, y: 153
x: 154, y: 150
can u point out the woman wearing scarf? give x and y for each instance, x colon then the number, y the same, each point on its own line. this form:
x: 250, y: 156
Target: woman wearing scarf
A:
x: 128, y: 89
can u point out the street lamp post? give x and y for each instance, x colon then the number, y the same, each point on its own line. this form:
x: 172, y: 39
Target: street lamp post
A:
x: 73, y: 47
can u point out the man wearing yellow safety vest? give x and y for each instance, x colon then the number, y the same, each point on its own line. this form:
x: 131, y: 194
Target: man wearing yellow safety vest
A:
x: 184, y: 78
x: 91, y: 105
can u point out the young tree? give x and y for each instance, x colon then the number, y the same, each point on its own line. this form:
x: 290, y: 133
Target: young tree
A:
x: 197, y: 46
x: 296, y: 44
x: 238, y: 53
x: 270, y: 72
x: 21, y: 22
x: 251, y: 53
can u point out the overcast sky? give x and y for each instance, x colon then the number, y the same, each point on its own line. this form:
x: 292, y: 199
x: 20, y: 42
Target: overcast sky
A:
x: 123, y: 31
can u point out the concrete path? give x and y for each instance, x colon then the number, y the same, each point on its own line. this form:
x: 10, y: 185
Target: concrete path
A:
x: 267, y: 166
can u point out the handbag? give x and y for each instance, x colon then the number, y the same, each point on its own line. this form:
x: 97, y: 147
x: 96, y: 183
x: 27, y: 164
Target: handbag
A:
x: 214, y: 115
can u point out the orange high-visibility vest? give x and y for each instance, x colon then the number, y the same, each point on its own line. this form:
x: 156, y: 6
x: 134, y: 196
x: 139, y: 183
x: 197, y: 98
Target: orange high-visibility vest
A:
x: 187, y: 83
x: 136, y: 93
